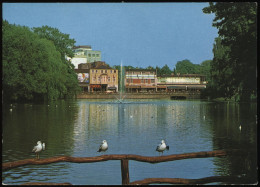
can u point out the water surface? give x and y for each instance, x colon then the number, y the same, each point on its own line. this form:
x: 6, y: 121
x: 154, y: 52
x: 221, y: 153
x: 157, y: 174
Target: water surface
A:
x: 77, y: 127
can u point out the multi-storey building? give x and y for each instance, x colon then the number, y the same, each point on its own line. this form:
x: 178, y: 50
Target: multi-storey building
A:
x: 191, y: 82
x: 97, y: 76
x: 103, y: 78
x: 140, y: 80
x: 84, y: 54
x: 143, y: 80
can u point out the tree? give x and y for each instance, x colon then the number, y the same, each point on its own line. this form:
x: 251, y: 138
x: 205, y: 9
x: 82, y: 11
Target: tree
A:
x: 237, y: 37
x: 150, y: 68
x: 32, y: 67
x: 62, y: 41
x: 63, y: 44
x: 158, y: 70
x: 204, y: 68
x: 186, y: 67
x: 166, y: 70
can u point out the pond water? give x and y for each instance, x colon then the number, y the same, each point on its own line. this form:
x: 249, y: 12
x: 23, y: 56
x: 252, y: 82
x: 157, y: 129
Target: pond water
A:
x: 77, y: 127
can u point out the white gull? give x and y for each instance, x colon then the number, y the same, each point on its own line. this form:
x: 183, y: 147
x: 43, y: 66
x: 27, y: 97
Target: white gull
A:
x: 162, y: 147
x: 103, y: 147
x: 38, y: 148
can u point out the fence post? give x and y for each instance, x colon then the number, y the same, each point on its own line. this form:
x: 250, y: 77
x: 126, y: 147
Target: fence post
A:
x: 124, y: 171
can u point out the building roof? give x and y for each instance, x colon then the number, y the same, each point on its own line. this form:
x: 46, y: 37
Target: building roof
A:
x: 102, y: 67
x: 151, y: 70
x: 182, y: 75
x: 81, y: 70
x: 82, y: 46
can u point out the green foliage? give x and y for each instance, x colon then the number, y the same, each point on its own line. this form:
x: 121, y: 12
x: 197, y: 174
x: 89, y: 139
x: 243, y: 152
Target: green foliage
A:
x: 150, y: 68
x: 165, y: 70
x: 204, y: 69
x: 186, y: 67
x: 61, y: 41
x: 32, y: 67
x: 234, y: 63
x: 64, y: 45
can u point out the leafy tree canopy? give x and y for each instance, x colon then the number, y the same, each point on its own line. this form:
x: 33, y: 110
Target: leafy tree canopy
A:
x: 62, y: 41
x: 235, y: 48
x: 32, y: 67
x: 186, y: 67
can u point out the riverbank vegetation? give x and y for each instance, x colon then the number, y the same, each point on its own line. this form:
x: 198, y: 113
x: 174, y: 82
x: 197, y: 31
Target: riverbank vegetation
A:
x: 34, y: 64
x: 234, y: 66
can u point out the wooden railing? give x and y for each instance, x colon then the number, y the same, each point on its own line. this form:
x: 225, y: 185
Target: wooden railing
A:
x: 125, y: 162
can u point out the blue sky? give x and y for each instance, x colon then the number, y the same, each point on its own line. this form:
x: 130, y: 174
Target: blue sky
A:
x: 138, y: 34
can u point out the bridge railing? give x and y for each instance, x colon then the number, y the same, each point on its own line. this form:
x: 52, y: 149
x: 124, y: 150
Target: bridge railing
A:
x: 125, y: 169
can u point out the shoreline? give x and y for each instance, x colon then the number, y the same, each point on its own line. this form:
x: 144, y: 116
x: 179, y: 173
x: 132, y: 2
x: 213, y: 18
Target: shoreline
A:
x: 169, y: 95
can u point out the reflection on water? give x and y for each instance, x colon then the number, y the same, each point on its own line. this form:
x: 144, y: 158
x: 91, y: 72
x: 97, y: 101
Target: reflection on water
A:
x: 77, y: 127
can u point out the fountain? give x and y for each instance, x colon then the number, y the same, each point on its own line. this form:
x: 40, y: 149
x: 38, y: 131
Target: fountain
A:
x: 121, y: 97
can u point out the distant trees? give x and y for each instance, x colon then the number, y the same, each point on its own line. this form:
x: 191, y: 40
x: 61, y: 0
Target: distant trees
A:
x: 182, y: 67
x: 234, y: 63
x: 186, y: 67
x: 32, y: 67
x: 165, y: 70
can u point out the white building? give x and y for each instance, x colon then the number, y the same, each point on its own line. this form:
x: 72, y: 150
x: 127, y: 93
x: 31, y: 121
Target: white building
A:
x: 84, y: 54
x: 77, y: 60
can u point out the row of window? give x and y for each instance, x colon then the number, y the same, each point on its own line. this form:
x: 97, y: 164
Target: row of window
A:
x: 93, y: 55
x: 138, y: 73
x: 142, y: 80
x: 104, y: 79
x: 103, y: 71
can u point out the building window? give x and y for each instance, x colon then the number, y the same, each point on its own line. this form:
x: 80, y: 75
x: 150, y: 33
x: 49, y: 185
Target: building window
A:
x: 96, y: 71
x: 108, y: 79
x: 105, y: 71
x: 111, y: 71
x: 127, y: 80
x: 89, y: 55
x: 94, y: 79
x: 93, y: 55
x: 146, y: 80
x: 102, y: 71
x: 99, y: 79
x: 152, y: 81
x: 92, y: 70
x: 132, y: 81
x: 142, y: 81
x: 114, y: 71
x: 114, y: 79
x: 97, y: 55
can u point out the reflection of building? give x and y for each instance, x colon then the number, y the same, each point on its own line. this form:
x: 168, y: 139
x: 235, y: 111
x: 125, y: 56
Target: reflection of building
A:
x: 84, y: 54
x: 186, y: 82
x: 138, y: 80
x: 97, y: 76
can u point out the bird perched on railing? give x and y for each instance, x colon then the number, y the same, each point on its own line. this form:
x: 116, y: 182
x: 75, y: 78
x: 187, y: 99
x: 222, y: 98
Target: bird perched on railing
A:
x: 103, y: 147
x: 162, y: 147
x: 38, y: 148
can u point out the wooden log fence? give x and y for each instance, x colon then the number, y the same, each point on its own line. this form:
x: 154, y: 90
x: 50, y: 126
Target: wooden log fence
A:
x: 125, y: 162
